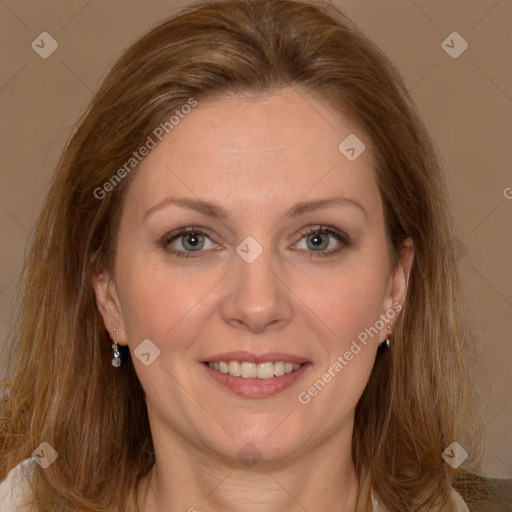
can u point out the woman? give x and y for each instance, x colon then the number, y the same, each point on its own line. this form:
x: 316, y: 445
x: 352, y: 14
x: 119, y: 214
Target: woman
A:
x: 241, y: 292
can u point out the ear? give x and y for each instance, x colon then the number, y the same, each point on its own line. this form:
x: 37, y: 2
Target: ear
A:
x: 109, y: 305
x: 399, y: 281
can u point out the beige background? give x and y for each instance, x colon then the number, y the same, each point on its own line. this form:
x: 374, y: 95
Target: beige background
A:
x: 466, y: 103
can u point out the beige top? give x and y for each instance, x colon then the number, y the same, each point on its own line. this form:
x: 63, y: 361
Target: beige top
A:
x: 14, y: 488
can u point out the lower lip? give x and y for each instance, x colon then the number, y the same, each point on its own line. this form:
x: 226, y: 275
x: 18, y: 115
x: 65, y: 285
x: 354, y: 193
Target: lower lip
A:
x: 257, y: 388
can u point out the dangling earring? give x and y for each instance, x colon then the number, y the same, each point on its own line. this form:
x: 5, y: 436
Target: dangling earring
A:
x: 387, y: 340
x: 116, y: 360
x: 389, y: 334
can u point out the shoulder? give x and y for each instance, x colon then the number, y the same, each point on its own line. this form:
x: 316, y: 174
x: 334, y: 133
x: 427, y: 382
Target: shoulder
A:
x: 458, y: 504
x: 15, y: 489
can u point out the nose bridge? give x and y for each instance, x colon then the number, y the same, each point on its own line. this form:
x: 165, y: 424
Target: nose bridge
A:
x: 256, y: 299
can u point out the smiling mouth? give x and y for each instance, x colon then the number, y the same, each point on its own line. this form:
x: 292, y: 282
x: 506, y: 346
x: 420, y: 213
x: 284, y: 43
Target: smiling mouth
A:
x: 248, y: 370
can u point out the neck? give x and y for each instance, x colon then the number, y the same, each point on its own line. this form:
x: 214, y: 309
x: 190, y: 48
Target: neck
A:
x: 189, y: 480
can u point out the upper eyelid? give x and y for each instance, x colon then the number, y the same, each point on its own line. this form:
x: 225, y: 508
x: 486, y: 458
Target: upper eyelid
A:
x: 322, y: 228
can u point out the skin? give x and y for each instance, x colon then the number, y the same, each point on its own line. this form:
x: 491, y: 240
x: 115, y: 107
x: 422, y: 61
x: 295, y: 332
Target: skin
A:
x: 255, y: 156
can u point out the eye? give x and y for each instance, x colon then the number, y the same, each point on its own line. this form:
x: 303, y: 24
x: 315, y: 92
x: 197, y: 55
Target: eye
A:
x: 323, y: 240
x: 185, y: 241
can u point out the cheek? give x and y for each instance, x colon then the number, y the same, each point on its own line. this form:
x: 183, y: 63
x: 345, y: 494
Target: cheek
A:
x: 349, y: 303
x: 349, y: 299
x: 159, y: 302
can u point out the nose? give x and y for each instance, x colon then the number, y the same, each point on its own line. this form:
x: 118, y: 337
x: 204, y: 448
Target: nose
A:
x: 257, y: 298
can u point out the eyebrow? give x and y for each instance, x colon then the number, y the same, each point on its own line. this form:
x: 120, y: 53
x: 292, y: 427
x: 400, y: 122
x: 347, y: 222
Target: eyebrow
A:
x: 216, y: 211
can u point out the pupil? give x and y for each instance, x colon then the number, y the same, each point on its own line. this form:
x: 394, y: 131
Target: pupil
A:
x: 193, y: 240
x: 316, y: 240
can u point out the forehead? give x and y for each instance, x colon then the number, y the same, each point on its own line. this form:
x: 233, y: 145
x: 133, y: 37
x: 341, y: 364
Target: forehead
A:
x: 258, y: 147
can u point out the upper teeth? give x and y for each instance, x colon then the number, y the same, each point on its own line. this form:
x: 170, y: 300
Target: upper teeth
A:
x: 255, y: 370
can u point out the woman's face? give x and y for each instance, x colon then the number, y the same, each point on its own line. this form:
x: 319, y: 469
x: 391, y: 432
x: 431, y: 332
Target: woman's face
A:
x: 284, y: 261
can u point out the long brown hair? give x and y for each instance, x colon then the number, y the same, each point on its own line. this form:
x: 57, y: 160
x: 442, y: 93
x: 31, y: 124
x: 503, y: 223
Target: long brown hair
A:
x: 60, y: 387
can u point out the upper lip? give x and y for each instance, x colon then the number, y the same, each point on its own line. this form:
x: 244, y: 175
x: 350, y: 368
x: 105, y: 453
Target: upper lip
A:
x: 251, y: 357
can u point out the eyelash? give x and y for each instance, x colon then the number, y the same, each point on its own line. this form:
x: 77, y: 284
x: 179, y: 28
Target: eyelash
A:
x: 326, y: 230
x: 174, y: 235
